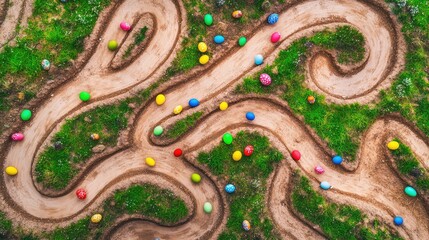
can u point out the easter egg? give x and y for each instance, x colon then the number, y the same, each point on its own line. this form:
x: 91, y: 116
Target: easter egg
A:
x: 25, y: 115
x: 158, y: 130
x: 275, y: 37
x: 21, y: 96
x: 208, y: 19
x: 207, y: 207
x: 193, y: 102
x: 177, y: 109
x: 177, y: 152
x: 242, y: 41
x: 259, y: 59
x: 125, y: 26
x: 236, y: 156
x: 311, y: 99
x: 237, y: 14
x: 325, y: 185
x: 81, y: 193
x: 46, y: 65
x: 410, y: 191
x: 223, y: 106
x: 202, y: 47
x: 296, y: 155
x: 204, y: 59
x: 272, y: 18
x: 112, y: 45
x: 227, y: 138
x: 150, y: 162
x: 250, y: 116
x: 11, y: 171
x: 84, y: 96
x: 95, y: 136
x: 265, y: 79
x: 195, y: 177
x: 160, y: 99
x: 248, y: 150
x: 96, y: 218
x: 337, y: 160
x: 393, y: 145
x: 398, y: 220
x: 246, y: 225
x: 219, y: 39
x: 229, y: 188
x: 17, y: 137
x: 319, y: 170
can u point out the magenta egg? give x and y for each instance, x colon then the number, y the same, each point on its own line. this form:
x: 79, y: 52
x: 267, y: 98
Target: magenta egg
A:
x: 125, y: 26
x: 275, y: 37
x: 319, y: 170
x: 17, y: 137
x: 265, y: 79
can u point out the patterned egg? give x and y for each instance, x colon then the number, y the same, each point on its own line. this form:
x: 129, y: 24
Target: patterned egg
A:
x: 46, y: 65
x: 246, y: 225
x: 96, y: 218
x: 311, y: 99
x: 17, y: 137
x: 178, y: 109
x: 202, y: 47
x: 237, y: 14
x: 219, y: 39
x: 125, y: 26
x: 229, y: 188
x: 248, y: 150
x: 81, y: 193
x: 265, y: 79
x: 272, y: 18
x: 95, y: 136
x: 275, y: 37
x: 11, y: 171
x: 319, y: 170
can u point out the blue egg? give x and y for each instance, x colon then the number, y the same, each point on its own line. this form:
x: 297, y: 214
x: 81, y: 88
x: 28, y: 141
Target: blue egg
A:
x: 325, y: 185
x: 259, y: 59
x: 193, y: 102
x: 218, y: 39
x: 398, y: 220
x: 337, y: 159
x: 272, y: 18
x: 250, y: 116
x: 229, y: 188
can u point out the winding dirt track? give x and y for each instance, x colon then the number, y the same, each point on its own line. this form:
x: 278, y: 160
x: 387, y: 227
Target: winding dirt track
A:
x: 12, y: 16
x: 374, y: 193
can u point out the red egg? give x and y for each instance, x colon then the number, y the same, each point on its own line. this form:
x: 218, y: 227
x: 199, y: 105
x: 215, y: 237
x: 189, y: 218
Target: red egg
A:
x: 81, y: 193
x: 296, y: 155
x: 177, y: 152
x: 17, y: 137
x: 248, y: 150
x: 125, y: 26
x: 275, y: 37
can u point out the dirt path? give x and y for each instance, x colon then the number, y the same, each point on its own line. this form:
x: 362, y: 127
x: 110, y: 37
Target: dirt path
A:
x: 13, y: 14
x: 377, y: 193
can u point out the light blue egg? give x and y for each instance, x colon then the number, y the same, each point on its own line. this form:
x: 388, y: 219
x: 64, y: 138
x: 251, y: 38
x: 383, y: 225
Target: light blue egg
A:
x: 219, y: 39
x: 229, y: 188
x: 325, y: 185
x: 259, y: 59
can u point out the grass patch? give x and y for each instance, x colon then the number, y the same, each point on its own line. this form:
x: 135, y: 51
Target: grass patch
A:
x: 183, y: 125
x: 337, y: 221
x: 408, y: 165
x: 249, y: 175
x: 139, y: 37
x: 56, y: 167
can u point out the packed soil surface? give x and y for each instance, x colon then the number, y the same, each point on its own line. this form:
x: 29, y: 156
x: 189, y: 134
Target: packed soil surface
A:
x: 372, y: 185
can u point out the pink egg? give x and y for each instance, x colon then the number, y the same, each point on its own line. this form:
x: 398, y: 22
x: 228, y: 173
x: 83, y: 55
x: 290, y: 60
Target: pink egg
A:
x: 265, y: 79
x: 125, y: 26
x: 319, y: 170
x: 275, y: 37
x: 17, y: 137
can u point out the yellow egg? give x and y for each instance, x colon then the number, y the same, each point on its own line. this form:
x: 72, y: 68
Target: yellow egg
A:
x: 96, y: 218
x: 202, y: 47
x: 204, y: 59
x: 237, y: 156
x: 11, y: 171
x: 393, y: 145
x: 150, y: 162
x: 160, y: 99
x: 223, y: 106
x: 177, y: 109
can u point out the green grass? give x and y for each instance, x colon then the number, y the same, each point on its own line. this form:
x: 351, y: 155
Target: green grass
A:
x: 56, y: 167
x: 139, y: 37
x: 145, y: 199
x: 183, y: 125
x: 407, y: 164
x: 55, y: 32
x: 249, y: 175
x: 337, y: 221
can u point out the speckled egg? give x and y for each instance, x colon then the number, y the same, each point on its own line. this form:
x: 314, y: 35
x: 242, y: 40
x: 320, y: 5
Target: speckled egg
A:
x: 246, y: 225
x: 265, y: 79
